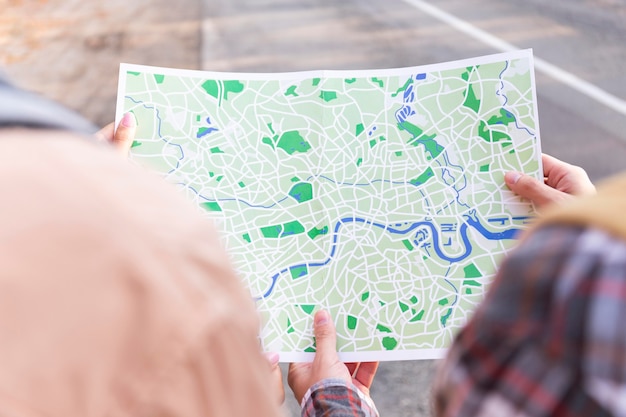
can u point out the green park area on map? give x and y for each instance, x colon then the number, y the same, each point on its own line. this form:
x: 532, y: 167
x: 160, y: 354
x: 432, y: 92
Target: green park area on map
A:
x: 377, y: 195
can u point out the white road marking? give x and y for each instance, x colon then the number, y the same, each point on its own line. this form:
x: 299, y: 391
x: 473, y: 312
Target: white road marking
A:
x: 590, y: 90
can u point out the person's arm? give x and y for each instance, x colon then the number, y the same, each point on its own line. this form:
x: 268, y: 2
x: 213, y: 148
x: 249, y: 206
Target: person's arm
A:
x: 328, y: 387
x: 561, y: 182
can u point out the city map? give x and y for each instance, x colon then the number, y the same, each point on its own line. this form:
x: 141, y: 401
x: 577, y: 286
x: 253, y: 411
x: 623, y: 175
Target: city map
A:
x: 377, y: 195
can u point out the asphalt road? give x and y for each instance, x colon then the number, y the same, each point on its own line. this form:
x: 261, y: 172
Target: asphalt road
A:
x: 70, y: 49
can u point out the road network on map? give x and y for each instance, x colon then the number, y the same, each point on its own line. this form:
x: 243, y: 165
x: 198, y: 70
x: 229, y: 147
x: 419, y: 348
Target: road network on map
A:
x: 376, y: 195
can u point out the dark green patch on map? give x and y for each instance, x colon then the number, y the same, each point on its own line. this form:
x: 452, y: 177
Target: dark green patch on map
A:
x: 471, y: 271
x: 201, y: 131
x: 351, y: 322
x: 213, y: 88
x: 414, y: 130
x: 328, y: 96
x: 302, y: 192
x: 307, y: 308
x: 211, y: 206
x: 290, y: 328
x: 216, y: 150
x: 291, y: 91
x: 491, y: 135
x: 444, y: 318
x: 292, y: 142
x: 403, y: 88
x: 292, y: 228
x: 159, y: 78
x: 408, y: 245
x: 378, y: 81
x: 471, y: 101
x: 383, y: 329
x: 505, y: 118
x: 389, y: 343
x: 269, y: 142
x: 232, y: 86
x: 418, y: 317
x: 315, y: 232
x: 280, y: 231
x: 419, y: 138
x: 271, y: 232
x: 298, y: 271
x: 425, y: 176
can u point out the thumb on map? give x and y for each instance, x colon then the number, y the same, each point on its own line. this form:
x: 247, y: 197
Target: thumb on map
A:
x: 325, y: 337
x: 125, y: 133
x: 530, y: 188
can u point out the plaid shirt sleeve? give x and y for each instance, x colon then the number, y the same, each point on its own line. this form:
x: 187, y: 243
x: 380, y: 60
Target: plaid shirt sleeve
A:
x: 336, y: 398
x: 550, y: 337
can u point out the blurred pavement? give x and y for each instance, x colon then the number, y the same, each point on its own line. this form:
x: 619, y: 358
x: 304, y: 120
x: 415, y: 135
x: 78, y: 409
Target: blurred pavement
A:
x: 70, y: 50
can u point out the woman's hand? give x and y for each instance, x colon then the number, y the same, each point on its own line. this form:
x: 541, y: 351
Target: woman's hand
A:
x: 277, y: 376
x: 326, y: 363
x: 123, y: 137
x: 561, y: 182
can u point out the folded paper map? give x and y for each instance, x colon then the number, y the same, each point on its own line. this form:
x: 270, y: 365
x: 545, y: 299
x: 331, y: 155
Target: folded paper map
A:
x: 377, y: 195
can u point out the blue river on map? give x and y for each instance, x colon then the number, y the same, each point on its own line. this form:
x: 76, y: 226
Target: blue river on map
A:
x: 403, y: 229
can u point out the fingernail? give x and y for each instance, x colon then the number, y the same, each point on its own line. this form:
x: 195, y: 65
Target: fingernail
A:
x: 321, y: 318
x: 273, y: 357
x: 128, y: 120
x: 512, y: 177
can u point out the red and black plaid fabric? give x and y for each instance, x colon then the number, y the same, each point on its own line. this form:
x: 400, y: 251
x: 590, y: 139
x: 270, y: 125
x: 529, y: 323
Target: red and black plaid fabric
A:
x: 335, y: 398
x: 550, y: 338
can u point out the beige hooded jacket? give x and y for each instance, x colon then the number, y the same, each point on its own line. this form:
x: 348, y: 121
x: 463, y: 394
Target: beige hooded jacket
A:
x: 116, y: 298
